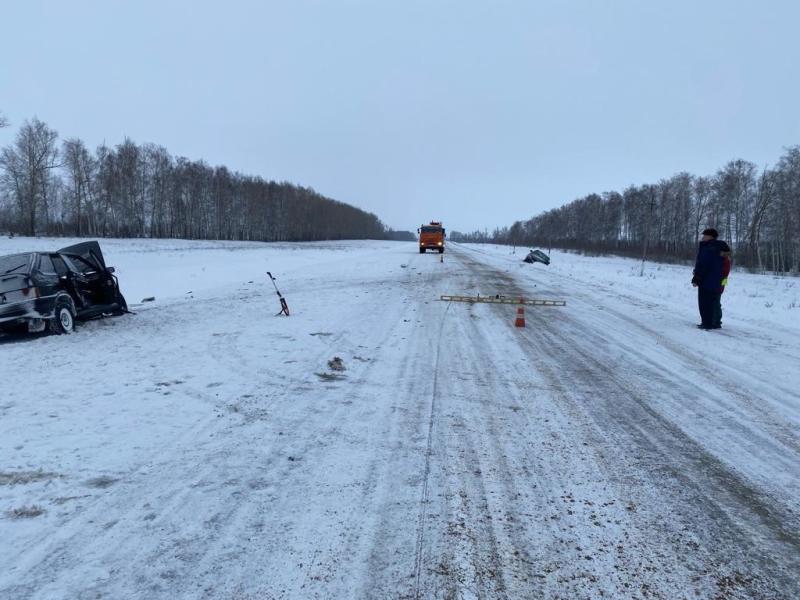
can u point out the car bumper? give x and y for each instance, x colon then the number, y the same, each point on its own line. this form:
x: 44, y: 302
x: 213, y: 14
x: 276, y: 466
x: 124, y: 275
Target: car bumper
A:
x: 35, y: 308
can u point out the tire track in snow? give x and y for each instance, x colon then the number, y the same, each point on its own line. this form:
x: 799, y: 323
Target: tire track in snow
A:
x: 618, y: 406
x: 307, y: 440
x: 184, y: 467
x: 424, y: 499
x: 686, y: 367
x: 718, y: 493
x: 470, y: 552
x: 332, y: 553
x: 719, y: 498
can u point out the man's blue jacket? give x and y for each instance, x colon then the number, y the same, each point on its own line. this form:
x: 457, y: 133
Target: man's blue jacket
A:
x: 708, y: 266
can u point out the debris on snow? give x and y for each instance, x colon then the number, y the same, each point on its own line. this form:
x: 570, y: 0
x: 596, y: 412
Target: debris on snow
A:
x: 22, y: 477
x: 330, y: 376
x: 336, y: 364
x: 102, y: 482
x: 25, y: 512
x: 64, y: 499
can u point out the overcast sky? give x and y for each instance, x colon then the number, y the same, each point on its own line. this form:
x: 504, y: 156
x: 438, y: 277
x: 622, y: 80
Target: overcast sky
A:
x: 474, y: 113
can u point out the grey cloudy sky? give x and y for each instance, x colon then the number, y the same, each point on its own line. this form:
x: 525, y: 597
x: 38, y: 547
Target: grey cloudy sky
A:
x: 475, y: 113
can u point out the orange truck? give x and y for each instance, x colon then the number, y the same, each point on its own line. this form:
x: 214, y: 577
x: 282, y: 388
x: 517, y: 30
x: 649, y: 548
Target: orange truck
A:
x: 431, y: 236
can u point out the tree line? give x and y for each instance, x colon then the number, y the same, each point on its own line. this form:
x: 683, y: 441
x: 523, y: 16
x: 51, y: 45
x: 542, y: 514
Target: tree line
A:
x: 756, y: 211
x: 54, y: 187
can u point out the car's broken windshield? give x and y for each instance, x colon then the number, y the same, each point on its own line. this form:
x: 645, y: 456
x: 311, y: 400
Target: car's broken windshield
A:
x: 80, y: 265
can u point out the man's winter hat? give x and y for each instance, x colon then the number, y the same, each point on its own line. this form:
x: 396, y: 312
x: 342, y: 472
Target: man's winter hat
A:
x: 712, y: 232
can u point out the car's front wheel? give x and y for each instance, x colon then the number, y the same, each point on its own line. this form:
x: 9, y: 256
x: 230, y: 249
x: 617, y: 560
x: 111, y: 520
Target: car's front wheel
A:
x: 122, y: 305
x: 64, y: 320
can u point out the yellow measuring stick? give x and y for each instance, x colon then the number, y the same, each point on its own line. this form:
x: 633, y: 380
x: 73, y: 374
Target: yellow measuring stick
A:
x: 503, y: 300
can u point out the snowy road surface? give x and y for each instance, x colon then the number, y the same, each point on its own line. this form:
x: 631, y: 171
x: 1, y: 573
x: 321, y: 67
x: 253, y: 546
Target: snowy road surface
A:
x: 205, y: 449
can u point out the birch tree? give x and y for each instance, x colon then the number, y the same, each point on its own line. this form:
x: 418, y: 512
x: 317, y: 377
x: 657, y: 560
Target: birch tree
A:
x: 26, y: 168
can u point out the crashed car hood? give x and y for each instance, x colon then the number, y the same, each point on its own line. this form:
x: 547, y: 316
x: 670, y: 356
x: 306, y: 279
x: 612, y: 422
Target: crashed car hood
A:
x: 89, y: 251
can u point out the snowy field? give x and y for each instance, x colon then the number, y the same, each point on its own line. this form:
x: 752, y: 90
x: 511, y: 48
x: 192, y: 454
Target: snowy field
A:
x: 204, y: 448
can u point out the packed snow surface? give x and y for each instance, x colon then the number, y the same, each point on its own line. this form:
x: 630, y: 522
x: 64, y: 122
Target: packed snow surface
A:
x: 380, y: 443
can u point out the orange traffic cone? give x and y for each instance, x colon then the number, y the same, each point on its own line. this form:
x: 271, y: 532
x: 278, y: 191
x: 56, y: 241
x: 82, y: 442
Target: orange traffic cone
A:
x: 520, y: 322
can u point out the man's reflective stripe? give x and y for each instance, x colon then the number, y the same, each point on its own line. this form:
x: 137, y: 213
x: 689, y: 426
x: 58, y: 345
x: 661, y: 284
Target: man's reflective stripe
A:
x: 725, y: 281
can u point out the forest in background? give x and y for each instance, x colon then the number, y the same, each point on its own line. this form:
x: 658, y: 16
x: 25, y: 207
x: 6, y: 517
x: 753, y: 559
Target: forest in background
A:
x: 62, y: 188
x: 756, y: 211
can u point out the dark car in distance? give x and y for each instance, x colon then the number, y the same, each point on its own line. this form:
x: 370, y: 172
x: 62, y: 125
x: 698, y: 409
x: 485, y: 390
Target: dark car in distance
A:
x: 535, y: 256
x: 53, y: 289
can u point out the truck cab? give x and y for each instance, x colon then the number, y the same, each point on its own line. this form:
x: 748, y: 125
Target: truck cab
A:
x: 431, y: 236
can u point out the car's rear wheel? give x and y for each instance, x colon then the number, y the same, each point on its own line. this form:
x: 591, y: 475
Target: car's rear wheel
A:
x: 63, y: 321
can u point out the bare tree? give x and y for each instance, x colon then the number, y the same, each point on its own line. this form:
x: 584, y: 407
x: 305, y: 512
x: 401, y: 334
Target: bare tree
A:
x: 140, y: 190
x: 80, y: 167
x: 762, y: 206
x: 651, y: 203
x: 26, y: 169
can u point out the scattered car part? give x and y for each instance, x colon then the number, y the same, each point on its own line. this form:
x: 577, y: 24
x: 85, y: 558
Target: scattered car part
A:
x: 284, y: 307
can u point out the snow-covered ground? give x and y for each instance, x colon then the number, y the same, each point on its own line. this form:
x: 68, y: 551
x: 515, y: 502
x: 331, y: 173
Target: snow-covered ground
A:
x: 204, y: 448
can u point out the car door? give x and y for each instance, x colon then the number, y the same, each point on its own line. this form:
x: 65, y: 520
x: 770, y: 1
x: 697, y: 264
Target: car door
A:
x: 88, y: 282
x: 92, y: 279
x: 46, y: 277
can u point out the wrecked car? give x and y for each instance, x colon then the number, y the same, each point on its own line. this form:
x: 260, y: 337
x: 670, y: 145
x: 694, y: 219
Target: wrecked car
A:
x: 40, y: 290
x: 537, y: 256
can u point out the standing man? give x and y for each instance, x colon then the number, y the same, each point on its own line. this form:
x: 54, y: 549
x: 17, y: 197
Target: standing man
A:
x: 708, y: 277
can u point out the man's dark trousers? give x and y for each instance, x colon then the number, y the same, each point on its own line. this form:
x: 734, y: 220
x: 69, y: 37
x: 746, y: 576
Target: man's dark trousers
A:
x: 707, y: 301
